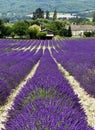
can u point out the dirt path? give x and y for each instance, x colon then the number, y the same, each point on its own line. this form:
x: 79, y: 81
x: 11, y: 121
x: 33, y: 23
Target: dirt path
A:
x: 4, y: 109
x: 87, y: 102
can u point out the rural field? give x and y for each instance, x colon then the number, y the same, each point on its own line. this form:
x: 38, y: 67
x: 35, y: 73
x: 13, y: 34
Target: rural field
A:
x: 47, y: 84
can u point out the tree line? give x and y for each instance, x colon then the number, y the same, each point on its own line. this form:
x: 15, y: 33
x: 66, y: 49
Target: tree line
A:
x: 32, y: 29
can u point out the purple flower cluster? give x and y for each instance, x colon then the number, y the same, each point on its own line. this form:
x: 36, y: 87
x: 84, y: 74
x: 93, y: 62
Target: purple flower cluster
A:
x: 14, y: 66
x: 77, y: 57
x: 47, y: 102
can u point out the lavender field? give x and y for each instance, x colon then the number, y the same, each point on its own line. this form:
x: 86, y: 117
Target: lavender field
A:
x: 47, y: 85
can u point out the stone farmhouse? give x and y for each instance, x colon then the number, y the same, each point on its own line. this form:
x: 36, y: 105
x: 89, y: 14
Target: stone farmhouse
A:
x: 78, y: 30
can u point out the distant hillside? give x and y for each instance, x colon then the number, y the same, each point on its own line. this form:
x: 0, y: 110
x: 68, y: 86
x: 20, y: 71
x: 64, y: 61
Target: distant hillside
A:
x: 25, y: 7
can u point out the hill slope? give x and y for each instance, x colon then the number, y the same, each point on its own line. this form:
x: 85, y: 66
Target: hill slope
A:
x: 28, y: 6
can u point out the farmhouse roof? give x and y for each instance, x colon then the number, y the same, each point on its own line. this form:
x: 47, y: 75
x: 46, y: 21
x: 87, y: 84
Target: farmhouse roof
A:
x: 82, y: 28
x: 47, y: 30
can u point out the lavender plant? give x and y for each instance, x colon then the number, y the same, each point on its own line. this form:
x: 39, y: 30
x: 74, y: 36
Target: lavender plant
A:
x: 47, y: 102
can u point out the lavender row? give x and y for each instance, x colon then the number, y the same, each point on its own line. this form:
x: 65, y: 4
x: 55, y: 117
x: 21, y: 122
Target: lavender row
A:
x: 7, y: 46
x: 13, y: 58
x: 16, y: 43
x: 12, y: 76
x: 47, y: 102
x: 77, y: 57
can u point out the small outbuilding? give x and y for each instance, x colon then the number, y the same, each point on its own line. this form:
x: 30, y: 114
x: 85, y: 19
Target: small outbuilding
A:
x: 49, y: 33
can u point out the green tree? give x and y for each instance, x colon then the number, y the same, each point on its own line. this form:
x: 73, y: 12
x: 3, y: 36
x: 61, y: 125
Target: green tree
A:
x: 20, y: 28
x: 41, y: 35
x: 87, y: 34
x: 1, y: 28
x: 33, y: 31
x: 63, y: 32
x: 12, y: 34
x: 47, y: 14
x: 39, y: 13
x: 34, y: 16
x: 55, y: 15
x: 7, y: 31
x: 52, y: 26
x: 56, y: 26
x: 94, y: 17
x: 69, y: 32
x: 93, y: 34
